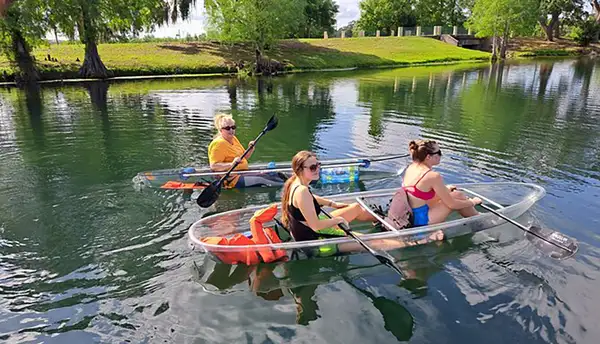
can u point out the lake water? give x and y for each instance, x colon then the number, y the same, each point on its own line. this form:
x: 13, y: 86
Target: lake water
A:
x: 86, y: 257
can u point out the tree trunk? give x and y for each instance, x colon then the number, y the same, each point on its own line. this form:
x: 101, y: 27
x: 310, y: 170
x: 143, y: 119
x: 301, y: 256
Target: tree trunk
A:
x: 504, y: 42
x: 92, y: 67
x: 28, y: 73
x: 494, y: 57
x: 258, y: 55
x: 596, y: 7
x: 550, y: 28
x: 557, y: 29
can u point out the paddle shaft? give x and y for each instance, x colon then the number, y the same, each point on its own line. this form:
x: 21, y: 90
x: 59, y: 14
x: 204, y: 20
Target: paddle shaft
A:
x: 288, y: 167
x: 383, y: 257
x: 524, y: 228
x: 242, y: 157
x: 387, y: 157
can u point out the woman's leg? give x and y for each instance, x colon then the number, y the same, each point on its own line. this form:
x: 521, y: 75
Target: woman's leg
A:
x: 439, y: 211
x: 353, y: 212
x: 468, y: 211
x: 261, y: 179
x: 381, y: 244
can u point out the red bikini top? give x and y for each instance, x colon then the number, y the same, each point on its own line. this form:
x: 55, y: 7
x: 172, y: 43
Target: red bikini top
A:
x: 413, y: 190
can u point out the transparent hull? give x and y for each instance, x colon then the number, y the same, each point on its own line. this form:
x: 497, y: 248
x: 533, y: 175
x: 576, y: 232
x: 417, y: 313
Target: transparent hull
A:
x: 278, y: 171
x: 511, y: 199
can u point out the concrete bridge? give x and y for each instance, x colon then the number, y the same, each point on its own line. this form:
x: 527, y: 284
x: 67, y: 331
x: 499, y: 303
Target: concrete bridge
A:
x: 466, y: 41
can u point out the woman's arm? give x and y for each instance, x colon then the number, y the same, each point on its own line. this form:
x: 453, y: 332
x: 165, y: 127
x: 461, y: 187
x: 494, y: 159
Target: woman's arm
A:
x: 444, y: 194
x: 305, y: 204
x: 225, y: 166
x: 251, y: 146
x: 329, y: 203
x: 216, y: 158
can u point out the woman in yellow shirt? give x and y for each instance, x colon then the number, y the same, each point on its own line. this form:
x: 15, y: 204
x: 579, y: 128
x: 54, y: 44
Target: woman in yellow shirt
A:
x: 225, y: 150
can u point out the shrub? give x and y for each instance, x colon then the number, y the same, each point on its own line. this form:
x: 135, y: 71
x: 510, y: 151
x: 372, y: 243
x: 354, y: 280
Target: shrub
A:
x: 585, y: 33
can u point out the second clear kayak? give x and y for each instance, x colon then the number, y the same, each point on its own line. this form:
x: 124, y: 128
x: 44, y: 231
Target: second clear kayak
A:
x: 333, y: 171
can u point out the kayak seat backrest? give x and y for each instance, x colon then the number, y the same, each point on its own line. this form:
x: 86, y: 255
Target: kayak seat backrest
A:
x: 282, y: 232
x: 400, y: 213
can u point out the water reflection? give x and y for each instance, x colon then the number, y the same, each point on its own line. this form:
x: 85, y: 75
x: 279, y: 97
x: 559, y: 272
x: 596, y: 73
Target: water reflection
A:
x: 82, y: 252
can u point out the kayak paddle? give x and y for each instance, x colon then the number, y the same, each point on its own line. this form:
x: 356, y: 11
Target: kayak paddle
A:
x: 383, y: 257
x: 555, y: 244
x: 210, y: 194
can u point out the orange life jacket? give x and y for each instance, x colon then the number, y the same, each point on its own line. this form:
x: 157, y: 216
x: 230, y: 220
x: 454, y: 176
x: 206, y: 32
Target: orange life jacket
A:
x: 260, y: 235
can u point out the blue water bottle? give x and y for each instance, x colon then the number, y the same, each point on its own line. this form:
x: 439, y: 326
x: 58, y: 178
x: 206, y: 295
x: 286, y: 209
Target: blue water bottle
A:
x: 337, y: 175
x: 186, y: 170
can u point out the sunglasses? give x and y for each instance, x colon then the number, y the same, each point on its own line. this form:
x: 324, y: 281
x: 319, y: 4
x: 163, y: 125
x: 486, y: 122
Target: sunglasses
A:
x: 314, y: 167
x: 233, y: 127
x: 438, y: 153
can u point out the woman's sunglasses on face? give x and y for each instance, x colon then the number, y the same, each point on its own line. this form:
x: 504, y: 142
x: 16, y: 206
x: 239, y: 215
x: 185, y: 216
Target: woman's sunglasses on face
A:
x: 314, y: 167
x: 233, y: 127
x: 437, y: 153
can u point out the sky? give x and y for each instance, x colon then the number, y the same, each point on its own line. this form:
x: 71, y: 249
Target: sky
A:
x: 348, y: 11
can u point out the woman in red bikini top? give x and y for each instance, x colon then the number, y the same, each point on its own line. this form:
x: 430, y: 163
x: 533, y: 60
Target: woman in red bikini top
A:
x: 431, y: 200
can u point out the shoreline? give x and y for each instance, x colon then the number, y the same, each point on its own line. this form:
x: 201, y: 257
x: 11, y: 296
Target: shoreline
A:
x: 59, y: 64
x: 232, y: 74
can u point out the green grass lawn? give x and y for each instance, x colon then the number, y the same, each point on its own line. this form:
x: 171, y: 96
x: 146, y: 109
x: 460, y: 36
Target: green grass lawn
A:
x: 156, y: 58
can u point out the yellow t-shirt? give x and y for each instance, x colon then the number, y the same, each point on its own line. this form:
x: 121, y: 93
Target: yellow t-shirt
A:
x: 220, y: 150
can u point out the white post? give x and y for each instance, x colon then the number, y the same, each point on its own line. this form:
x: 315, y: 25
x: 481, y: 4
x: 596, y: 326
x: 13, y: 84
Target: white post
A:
x: 418, y: 31
x: 325, y: 36
x: 377, y: 33
x: 400, y: 31
x: 455, y: 30
x: 343, y: 34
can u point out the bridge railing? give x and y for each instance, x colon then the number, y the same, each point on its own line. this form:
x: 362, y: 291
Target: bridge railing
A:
x: 402, y: 31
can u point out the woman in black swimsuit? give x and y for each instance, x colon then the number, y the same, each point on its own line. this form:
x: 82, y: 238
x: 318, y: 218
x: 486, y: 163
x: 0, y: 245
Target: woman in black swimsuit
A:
x: 301, y: 209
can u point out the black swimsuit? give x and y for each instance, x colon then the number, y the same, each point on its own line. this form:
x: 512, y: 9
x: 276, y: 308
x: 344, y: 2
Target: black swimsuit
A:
x: 299, y: 230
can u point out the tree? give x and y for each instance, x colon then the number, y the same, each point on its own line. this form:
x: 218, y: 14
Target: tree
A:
x: 596, y: 6
x: 174, y: 10
x: 500, y: 19
x: 21, y: 29
x: 385, y: 15
x: 550, y: 12
x: 319, y: 16
x: 4, y: 6
x: 348, y: 28
x: 94, y: 21
x: 440, y: 12
x: 258, y: 22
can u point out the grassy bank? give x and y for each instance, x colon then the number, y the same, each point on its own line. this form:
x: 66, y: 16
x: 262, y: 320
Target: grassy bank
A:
x: 157, y: 58
x: 535, y: 47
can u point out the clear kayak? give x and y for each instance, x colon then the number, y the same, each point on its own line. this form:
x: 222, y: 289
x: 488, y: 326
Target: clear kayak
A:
x: 333, y: 171
x: 508, y: 198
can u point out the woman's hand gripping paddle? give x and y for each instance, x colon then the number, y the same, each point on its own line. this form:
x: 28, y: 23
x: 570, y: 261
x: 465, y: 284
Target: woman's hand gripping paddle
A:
x: 211, y: 193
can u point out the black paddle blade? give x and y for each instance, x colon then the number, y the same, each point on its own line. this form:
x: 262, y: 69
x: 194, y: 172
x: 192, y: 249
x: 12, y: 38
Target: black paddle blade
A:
x: 209, y: 195
x: 272, y: 124
x: 389, y: 261
x: 554, y: 244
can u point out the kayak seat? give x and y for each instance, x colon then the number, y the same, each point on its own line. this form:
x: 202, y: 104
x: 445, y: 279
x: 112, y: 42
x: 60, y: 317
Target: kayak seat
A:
x: 384, y: 212
x: 282, y: 232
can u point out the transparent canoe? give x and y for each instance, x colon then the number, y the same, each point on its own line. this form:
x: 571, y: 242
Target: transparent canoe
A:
x: 333, y: 171
x: 509, y: 198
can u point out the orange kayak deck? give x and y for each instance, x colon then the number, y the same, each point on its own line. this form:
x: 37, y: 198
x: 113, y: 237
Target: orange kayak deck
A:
x: 175, y: 185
